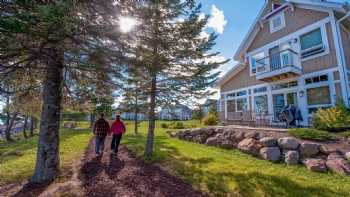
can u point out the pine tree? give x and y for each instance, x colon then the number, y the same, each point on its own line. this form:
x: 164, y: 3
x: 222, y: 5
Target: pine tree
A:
x: 172, y: 53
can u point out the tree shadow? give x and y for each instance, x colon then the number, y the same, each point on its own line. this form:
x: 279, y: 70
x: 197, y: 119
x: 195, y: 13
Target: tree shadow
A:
x: 92, y: 168
x: 114, y: 166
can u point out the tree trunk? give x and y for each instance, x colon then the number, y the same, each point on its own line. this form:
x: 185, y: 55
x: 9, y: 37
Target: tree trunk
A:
x: 92, y: 119
x: 135, y: 115
x: 25, y: 127
x: 152, y: 118
x: 47, y: 162
x: 9, y: 126
x: 32, y: 124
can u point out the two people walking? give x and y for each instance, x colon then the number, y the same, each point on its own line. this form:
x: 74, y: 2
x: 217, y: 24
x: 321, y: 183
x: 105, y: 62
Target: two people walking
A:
x: 101, y: 129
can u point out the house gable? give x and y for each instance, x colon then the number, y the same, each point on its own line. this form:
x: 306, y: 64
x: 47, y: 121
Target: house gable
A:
x: 240, y: 80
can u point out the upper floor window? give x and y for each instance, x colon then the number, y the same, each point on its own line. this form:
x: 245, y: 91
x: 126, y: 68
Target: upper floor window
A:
x: 277, y: 22
x: 257, y: 60
x: 311, y: 43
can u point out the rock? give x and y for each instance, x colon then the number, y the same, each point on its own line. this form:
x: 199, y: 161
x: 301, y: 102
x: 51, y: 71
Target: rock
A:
x: 270, y: 153
x: 237, y: 136
x: 209, y: 132
x: 251, y: 134
x: 340, y: 166
x: 268, y: 141
x: 227, y: 144
x: 212, y: 141
x: 289, y: 143
x: 184, y: 133
x: 347, y: 156
x: 315, y: 165
x: 201, y: 139
x: 291, y: 157
x: 327, y: 149
x: 172, y: 133
x: 250, y: 146
x: 307, y: 149
x: 335, y: 155
x: 196, y: 132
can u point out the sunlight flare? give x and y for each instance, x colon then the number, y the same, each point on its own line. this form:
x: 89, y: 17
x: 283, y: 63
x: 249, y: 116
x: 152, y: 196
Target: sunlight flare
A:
x: 126, y: 24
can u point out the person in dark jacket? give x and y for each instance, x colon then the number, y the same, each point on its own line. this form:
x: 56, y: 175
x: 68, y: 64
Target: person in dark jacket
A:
x: 101, y: 129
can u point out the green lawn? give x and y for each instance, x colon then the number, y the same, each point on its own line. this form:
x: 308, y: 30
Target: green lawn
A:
x: 231, y: 173
x: 17, y: 159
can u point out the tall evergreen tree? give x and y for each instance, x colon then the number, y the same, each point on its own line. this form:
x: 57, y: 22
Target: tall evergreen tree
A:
x: 51, y: 38
x: 172, y: 53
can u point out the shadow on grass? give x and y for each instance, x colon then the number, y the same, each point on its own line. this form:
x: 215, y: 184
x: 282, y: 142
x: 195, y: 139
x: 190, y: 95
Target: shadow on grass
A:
x: 224, y: 182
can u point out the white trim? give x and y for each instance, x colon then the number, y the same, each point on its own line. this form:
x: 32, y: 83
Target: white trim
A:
x: 283, y: 22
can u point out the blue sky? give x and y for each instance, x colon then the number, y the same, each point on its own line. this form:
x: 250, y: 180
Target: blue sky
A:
x: 239, y: 16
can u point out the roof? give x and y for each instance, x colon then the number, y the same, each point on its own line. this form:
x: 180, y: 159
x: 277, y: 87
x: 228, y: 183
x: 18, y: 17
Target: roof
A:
x: 310, y: 4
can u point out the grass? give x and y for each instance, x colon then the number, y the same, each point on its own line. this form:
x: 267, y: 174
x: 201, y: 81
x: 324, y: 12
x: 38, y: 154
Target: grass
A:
x: 344, y: 134
x: 17, y: 159
x: 231, y: 173
x: 310, y: 134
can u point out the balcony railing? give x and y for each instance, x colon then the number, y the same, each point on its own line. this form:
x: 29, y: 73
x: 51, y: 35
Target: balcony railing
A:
x: 282, y: 62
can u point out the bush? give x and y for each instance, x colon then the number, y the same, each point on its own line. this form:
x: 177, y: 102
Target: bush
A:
x: 176, y: 125
x: 164, y: 125
x: 310, y: 134
x: 210, y: 120
x: 332, y: 119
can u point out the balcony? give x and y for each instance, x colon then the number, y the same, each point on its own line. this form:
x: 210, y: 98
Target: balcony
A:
x: 278, y: 66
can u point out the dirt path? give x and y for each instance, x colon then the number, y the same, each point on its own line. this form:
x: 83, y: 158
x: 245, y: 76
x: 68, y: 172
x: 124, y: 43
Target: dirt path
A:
x: 125, y: 175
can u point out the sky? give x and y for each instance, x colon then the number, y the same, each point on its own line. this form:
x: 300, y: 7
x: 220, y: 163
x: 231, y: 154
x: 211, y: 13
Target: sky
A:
x: 231, y: 19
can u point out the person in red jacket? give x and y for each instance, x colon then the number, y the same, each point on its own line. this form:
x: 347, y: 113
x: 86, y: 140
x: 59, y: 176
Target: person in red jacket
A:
x: 117, y: 130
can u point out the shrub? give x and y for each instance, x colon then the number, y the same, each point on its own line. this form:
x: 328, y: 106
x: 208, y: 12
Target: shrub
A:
x: 310, y: 134
x: 176, y: 125
x: 332, y: 119
x: 164, y: 125
x: 210, y: 120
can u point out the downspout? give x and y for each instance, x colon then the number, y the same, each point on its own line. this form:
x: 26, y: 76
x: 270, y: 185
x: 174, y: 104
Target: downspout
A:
x: 343, y: 61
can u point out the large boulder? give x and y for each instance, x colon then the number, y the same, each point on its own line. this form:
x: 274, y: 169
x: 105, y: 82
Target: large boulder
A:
x: 252, y: 134
x: 288, y: 143
x: 307, y: 149
x: 335, y: 155
x: 227, y: 144
x: 324, y: 149
x: 173, y: 133
x: 270, y: 153
x: 212, y: 141
x: 201, y: 139
x: 182, y: 134
x: 315, y: 165
x: 340, y: 166
x: 268, y: 141
x: 250, y: 146
x: 237, y: 136
x: 291, y: 157
x: 195, y: 132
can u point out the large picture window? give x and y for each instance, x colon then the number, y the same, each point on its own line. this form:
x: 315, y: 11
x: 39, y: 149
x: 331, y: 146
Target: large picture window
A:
x: 242, y: 104
x: 318, y: 96
x: 260, y: 104
x: 311, y: 43
x: 231, y: 106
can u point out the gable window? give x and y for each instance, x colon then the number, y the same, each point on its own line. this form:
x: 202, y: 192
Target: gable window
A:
x: 311, y: 43
x: 257, y: 61
x: 277, y: 23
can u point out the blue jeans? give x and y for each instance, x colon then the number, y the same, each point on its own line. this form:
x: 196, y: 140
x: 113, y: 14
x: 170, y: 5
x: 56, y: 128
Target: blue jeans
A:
x: 99, y: 143
x: 115, y: 142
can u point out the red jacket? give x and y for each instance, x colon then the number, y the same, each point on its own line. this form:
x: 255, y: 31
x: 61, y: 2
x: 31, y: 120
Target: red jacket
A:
x: 117, y: 127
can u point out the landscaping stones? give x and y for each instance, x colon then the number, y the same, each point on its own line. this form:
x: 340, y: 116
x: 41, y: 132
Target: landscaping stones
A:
x: 315, y: 156
x: 291, y: 157
x: 212, y: 141
x: 268, y: 141
x: 315, y: 165
x: 340, y: 166
x: 309, y: 149
x: 250, y: 146
x: 288, y: 143
x: 270, y: 153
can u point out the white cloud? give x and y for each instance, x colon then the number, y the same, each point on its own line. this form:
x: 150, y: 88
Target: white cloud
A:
x: 201, y: 16
x: 203, y: 35
x: 217, y: 20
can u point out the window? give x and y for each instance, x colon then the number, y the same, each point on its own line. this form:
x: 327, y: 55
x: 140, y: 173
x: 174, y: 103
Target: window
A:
x: 257, y: 60
x: 260, y: 104
x: 318, y: 96
x: 317, y: 79
x: 242, y: 104
x: 233, y: 95
x: 311, y: 43
x: 231, y: 106
x: 285, y: 85
x: 260, y: 90
x: 242, y: 93
x: 277, y: 23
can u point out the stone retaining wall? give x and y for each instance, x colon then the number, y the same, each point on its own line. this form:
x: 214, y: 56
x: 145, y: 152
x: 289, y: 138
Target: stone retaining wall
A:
x: 292, y: 151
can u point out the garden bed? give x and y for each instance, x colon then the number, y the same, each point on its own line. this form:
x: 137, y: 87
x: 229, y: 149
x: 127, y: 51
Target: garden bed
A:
x: 275, y: 146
